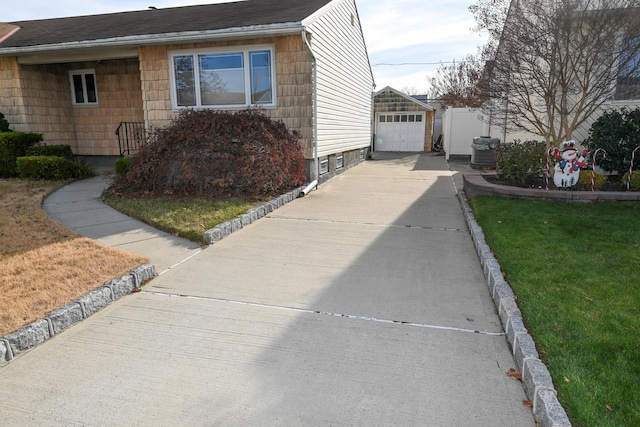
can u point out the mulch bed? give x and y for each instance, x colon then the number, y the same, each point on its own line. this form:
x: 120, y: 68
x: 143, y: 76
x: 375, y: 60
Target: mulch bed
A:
x: 614, y: 183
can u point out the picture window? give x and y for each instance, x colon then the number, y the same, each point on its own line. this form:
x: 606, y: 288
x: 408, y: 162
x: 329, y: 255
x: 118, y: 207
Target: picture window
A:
x: 223, y: 78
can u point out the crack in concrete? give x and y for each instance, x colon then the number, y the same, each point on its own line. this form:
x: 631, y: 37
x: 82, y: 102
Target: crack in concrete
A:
x: 373, y: 224
x: 326, y: 313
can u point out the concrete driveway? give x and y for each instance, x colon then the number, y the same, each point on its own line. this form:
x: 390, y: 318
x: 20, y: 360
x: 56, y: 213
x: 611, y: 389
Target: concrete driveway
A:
x: 361, y: 304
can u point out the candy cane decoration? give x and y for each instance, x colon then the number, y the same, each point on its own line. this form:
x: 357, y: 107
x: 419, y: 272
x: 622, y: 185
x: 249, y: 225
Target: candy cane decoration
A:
x: 593, y: 171
x: 555, y: 151
x: 633, y: 156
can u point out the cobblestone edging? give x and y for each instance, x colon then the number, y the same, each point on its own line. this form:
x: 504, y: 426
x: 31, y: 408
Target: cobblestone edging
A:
x: 222, y: 230
x: 34, y: 334
x: 476, y: 185
x: 57, y: 321
x: 536, y: 378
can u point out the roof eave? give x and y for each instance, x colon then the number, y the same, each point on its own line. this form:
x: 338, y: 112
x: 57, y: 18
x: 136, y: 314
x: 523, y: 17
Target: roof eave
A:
x: 166, y: 38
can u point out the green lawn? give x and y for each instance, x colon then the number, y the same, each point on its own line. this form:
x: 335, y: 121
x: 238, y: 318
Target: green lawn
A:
x: 184, y: 218
x: 575, y: 269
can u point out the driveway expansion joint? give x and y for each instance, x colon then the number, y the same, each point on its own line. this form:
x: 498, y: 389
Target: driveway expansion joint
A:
x: 325, y: 313
x: 366, y: 223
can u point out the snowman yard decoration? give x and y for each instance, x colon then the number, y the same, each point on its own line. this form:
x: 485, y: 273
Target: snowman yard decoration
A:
x: 567, y: 169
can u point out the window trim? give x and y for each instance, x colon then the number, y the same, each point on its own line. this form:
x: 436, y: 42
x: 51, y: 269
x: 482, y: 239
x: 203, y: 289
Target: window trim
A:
x: 324, y: 166
x: 83, y: 74
x: 246, y: 51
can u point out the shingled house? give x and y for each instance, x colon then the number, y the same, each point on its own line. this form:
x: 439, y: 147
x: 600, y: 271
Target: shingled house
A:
x: 77, y: 79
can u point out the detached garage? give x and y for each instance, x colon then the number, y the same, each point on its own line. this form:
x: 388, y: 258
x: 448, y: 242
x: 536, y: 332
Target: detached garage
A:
x: 402, y: 123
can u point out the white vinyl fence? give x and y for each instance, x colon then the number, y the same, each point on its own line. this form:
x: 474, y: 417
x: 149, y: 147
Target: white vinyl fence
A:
x: 460, y: 126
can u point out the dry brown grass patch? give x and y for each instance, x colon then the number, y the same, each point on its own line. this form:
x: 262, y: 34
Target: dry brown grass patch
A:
x: 45, y: 265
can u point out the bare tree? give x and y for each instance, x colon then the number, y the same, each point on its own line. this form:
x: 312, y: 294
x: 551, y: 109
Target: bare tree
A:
x: 460, y: 84
x: 490, y: 16
x: 465, y: 83
x: 411, y: 90
x: 557, y: 61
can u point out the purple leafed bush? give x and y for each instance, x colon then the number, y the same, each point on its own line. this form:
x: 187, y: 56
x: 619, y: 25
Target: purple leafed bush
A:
x: 214, y: 154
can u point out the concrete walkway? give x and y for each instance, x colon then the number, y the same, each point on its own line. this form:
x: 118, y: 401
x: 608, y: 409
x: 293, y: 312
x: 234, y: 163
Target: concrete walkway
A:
x: 362, y: 303
x: 79, y: 207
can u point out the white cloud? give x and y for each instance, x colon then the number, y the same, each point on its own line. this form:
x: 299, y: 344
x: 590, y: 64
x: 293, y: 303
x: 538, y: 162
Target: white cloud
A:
x: 415, y: 31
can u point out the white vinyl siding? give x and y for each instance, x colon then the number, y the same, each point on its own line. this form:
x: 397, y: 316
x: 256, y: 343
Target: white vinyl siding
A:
x: 344, y: 80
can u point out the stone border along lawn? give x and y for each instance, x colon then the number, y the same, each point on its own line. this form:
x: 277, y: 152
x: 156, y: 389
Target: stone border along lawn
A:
x: 35, y: 333
x: 536, y: 378
x: 476, y: 185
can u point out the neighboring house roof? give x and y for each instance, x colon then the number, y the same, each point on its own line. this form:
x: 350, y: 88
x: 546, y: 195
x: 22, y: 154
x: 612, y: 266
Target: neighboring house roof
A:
x: 422, y: 98
x: 161, y: 24
x: 404, y: 95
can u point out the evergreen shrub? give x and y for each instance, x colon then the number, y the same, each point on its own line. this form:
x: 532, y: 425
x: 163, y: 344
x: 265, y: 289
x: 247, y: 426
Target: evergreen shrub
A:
x: 122, y: 165
x: 12, y: 146
x: 618, y: 133
x: 51, y: 168
x: 63, y: 151
x: 521, y: 163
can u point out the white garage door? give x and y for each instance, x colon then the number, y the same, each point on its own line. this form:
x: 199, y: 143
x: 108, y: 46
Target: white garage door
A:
x: 400, y: 131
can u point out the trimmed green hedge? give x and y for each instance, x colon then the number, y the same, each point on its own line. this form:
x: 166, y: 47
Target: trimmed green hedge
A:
x: 12, y: 146
x: 4, y: 124
x: 122, y: 165
x: 63, y: 151
x: 51, y: 168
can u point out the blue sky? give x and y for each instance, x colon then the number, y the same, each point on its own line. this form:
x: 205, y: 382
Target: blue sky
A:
x: 396, y: 32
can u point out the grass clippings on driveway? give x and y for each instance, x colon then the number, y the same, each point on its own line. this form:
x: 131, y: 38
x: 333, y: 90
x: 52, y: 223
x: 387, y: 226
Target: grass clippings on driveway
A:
x: 575, y: 271
x: 45, y: 265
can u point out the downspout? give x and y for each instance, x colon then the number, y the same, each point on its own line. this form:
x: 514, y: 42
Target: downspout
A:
x: 316, y: 173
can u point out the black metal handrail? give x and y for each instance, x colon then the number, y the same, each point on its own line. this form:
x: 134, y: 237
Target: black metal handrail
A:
x: 131, y: 136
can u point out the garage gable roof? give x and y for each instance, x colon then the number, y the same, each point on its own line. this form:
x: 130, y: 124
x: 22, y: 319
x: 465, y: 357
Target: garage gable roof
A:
x: 177, y: 20
x: 405, y: 96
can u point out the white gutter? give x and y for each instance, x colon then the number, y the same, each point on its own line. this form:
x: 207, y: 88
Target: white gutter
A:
x: 316, y: 172
x: 166, y: 38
